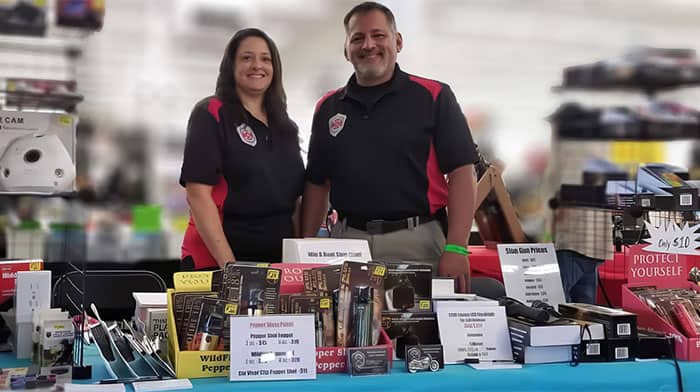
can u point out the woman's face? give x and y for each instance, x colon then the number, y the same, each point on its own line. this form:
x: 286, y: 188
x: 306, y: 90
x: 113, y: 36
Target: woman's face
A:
x: 253, y: 66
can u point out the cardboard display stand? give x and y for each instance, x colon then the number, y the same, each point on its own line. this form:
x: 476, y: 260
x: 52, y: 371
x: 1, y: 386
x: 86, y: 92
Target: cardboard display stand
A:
x: 200, y: 364
x: 662, y: 270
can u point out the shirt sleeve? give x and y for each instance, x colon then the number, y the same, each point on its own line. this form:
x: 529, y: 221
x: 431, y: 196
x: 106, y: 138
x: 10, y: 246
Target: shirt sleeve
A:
x: 317, y: 165
x: 454, y: 145
x: 202, y: 160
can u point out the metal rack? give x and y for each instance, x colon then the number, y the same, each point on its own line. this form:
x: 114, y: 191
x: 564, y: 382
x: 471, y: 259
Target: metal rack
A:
x: 52, y: 58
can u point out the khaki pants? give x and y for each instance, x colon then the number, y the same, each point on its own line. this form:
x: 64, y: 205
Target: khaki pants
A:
x: 422, y: 244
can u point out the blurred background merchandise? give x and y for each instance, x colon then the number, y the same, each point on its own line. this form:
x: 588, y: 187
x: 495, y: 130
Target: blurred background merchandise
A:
x: 139, y: 77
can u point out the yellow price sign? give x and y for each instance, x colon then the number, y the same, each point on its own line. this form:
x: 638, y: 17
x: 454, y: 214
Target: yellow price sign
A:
x: 231, y: 309
x: 424, y: 304
x: 35, y: 266
x: 193, y: 281
x: 380, y: 270
x: 325, y: 303
x: 262, y: 264
x: 273, y: 275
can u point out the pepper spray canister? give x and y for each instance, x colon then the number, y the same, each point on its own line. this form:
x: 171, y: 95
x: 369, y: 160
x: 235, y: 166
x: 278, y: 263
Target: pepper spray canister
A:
x: 362, y: 304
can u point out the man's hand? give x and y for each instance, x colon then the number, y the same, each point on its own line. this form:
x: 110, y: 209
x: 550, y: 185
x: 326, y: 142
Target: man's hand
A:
x: 456, y: 266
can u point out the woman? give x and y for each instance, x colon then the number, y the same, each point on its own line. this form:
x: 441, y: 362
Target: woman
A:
x: 242, y: 166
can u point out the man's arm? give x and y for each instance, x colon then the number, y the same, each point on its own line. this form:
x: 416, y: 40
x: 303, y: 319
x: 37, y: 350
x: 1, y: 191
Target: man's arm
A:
x: 296, y: 218
x: 314, y: 208
x: 206, y: 218
x: 460, y: 206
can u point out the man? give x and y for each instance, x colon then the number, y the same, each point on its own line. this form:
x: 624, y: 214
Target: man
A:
x: 382, y: 146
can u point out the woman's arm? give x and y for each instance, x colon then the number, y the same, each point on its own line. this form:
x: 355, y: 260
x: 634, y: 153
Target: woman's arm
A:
x: 206, y: 218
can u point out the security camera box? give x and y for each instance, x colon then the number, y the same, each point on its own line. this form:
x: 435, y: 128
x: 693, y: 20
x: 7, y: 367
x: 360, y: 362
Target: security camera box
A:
x: 410, y: 329
x: 42, y: 127
x: 252, y: 288
x: 56, y: 342
x: 407, y: 287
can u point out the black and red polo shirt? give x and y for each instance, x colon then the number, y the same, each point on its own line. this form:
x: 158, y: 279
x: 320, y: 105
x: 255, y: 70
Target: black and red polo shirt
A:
x: 257, y: 173
x: 385, y: 149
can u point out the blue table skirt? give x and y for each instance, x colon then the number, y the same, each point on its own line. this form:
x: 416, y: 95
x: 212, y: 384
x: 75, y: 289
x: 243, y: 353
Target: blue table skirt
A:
x: 589, y: 377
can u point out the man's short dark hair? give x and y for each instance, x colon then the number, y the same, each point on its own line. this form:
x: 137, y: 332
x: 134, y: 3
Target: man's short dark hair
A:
x: 366, y: 7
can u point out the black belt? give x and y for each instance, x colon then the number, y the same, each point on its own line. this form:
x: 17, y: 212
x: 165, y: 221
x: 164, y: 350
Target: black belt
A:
x: 380, y: 226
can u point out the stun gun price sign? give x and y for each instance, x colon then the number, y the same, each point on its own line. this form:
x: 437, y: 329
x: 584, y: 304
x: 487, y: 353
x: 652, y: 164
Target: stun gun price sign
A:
x: 531, y: 272
x: 273, y: 348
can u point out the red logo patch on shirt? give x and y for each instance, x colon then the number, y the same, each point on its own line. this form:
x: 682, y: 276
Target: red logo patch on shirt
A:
x: 336, y: 124
x: 247, y: 135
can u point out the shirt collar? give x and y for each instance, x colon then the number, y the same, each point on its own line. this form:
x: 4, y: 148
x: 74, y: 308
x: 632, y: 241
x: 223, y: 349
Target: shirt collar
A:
x: 397, y: 81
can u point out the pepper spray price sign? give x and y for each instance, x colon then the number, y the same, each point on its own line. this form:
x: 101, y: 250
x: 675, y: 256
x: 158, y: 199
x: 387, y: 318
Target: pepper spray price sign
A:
x: 273, y: 348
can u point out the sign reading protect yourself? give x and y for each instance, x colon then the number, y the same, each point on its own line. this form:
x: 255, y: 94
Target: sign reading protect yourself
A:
x: 656, y: 268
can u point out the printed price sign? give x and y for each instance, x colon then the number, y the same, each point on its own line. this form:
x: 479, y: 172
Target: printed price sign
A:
x: 471, y: 330
x: 193, y: 281
x: 673, y: 239
x: 531, y: 272
x: 273, y: 348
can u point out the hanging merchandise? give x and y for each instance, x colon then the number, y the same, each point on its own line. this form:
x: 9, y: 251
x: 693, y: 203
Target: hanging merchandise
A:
x: 26, y: 93
x: 87, y: 14
x: 644, y: 68
x: 23, y: 17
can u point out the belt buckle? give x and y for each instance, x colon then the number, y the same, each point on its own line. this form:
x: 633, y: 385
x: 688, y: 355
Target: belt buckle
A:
x: 375, y: 226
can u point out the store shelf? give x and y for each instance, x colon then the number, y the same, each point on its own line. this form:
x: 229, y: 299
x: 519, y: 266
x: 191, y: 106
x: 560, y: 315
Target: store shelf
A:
x: 72, y: 47
x: 27, y: 100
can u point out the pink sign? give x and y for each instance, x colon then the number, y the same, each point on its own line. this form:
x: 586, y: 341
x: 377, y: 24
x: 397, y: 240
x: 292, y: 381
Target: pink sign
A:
x: 662, y: 270
x: 292, y: 276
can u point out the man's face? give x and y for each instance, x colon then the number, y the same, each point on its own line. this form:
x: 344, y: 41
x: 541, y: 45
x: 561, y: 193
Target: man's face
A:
x: 371, y: 46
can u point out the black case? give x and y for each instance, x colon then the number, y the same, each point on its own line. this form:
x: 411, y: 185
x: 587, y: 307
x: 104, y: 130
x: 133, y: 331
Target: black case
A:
x: 618, y: 324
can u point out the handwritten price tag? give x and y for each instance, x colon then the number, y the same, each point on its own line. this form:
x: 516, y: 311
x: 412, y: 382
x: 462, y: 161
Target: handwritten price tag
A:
x: 193, y: 281
x: 673, y: 239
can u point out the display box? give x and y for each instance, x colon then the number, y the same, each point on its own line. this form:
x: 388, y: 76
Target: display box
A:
x: 202, y: 364
x: 687, y: 349
x: 193, y: 364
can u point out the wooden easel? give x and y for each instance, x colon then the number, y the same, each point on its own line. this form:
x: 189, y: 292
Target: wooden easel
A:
x: 492, y: 180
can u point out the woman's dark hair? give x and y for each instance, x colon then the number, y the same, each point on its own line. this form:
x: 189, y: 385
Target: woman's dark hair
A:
x: 275, y: 100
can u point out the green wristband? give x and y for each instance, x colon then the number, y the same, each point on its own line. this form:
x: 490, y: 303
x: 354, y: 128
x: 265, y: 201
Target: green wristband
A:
x: 460, y: 250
